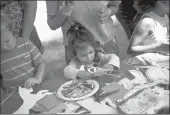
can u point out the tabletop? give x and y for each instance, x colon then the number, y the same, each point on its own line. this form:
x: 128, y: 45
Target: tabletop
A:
x: 55, y: 79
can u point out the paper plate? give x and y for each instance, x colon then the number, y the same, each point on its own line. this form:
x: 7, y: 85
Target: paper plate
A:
x: 95, y: 84
x: 154, y: 73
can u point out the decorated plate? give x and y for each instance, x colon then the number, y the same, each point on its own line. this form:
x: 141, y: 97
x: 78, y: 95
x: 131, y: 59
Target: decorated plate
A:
x: 154, y: 73
x: 77, y: 89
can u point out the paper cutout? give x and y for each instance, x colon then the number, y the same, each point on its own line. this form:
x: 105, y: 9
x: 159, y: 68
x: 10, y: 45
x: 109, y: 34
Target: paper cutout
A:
x: 50, y: 102
x: 29, y: 99
x: 95, y: 107
x: 58, y: 109
x: 82, y: 68
x: 120, y: 94
x: 114, y: 86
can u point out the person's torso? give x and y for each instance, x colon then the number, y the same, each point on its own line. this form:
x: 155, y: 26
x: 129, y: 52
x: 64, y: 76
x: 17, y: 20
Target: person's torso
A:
x: 85, y: 13
x: 14, y: 9
x: 16, y: 65
x: 160, y: 28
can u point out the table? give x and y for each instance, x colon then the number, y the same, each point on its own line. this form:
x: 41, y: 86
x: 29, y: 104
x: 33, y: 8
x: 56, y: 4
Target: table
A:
x: 51, y: 83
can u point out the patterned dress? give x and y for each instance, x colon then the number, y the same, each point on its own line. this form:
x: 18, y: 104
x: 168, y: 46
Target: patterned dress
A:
x: 14, y: 9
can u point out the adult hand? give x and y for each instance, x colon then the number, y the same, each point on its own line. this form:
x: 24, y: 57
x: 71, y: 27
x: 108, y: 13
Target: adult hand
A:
x: 31, y: 81
x: 104, y: 14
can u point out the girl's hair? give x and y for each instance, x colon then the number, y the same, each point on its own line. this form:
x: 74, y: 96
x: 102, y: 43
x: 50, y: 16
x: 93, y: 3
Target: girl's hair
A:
x: 145, y: 5
x: 79, y: 37
x: 6, y: 21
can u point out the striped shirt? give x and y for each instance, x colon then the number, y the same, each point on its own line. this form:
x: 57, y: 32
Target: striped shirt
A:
x: 20, y: 63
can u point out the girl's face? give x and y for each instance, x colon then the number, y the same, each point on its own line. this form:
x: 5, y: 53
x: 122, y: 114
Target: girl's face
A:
x: 8, y: 41
x: 86, y: 55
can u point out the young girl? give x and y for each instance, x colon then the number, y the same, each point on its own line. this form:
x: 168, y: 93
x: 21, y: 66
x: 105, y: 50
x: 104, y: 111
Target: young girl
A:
x: 86, y: 53
x: 151, y: 33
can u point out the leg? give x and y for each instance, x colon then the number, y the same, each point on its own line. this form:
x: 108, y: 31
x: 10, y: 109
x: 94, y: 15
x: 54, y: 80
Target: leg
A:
x: 36, y: 40
x: 111, y: 47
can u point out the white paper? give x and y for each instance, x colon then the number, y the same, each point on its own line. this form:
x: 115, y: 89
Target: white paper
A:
x: 95, y: 107
x: 82, y: 68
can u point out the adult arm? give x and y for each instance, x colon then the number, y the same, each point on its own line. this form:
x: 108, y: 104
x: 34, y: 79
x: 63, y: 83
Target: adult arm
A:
x: 111, y: 9
x: 30, y: 8
x: 114, y: 6
x: 54, y: 18
x: 136, y: 45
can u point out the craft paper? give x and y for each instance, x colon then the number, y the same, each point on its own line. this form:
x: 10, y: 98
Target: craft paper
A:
x: 95, y: 107
x: 50, y: 102
x: 111, y: 87
x: 119, y: 94
x: 145, y: 102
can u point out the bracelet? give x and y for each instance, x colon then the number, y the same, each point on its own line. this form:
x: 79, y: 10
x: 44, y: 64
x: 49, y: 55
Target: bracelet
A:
x: 92, y: 75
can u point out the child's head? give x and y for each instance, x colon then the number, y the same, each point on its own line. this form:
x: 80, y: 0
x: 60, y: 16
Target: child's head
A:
x: 82, y: 44
x: 8, y: 41
x: 147, y: 5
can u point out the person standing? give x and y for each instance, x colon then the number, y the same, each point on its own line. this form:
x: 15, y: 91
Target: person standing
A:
x: 23, y: 15
x: 88, y: 14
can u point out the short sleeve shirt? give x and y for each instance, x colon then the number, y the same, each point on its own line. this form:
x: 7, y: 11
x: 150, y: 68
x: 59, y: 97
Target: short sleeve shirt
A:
x: 20, y: 63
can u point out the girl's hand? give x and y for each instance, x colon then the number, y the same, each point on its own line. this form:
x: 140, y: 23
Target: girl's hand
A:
x: 84, y: 75
x: 109, y: 66
x: 104, y: 14
x: 100, y: 72
x: 31, y: 82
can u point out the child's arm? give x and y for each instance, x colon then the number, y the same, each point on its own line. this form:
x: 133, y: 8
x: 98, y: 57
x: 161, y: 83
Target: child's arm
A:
x: 109, y: 60
x: 38, y: 63
x: 40, y: 71
x: 71, y: 72
x: 110, y: 10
